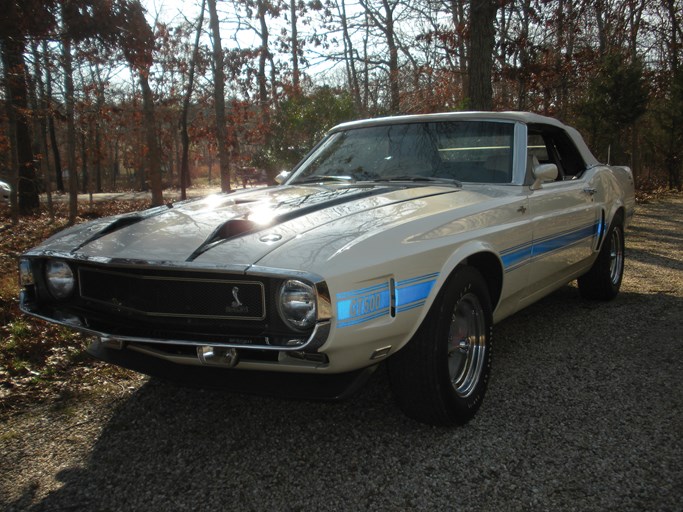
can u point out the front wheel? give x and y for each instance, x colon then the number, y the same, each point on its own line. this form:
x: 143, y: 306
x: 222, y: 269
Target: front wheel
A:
x: 440, y: 376
x: 603, y: 280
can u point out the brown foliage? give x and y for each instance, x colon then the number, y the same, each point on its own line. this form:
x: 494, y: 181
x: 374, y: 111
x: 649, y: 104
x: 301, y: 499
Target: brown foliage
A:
x: 39, y: 359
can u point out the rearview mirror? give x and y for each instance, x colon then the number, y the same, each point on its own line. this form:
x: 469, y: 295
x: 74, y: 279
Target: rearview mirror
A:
x: 282, y: 177
x: 543, y: 173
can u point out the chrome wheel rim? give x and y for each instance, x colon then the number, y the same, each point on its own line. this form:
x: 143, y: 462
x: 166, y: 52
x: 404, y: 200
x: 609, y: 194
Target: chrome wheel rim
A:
x: 616, y: 257
x: 466, y: 345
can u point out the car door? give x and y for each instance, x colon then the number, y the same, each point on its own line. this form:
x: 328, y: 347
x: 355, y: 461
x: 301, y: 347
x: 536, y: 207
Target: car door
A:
x: 564, y: 215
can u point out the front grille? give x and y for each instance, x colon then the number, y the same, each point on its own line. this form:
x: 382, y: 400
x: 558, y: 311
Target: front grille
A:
x: 167, y: 295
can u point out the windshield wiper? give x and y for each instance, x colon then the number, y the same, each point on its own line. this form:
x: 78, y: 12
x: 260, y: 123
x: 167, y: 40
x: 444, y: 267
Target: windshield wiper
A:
x: 322, y: 179
x: 418, y: 179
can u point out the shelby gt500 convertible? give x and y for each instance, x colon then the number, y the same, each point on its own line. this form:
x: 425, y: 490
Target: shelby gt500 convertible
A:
x: 401, y: 239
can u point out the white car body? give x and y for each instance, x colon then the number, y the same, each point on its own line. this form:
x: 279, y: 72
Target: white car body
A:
x: 377, y: 253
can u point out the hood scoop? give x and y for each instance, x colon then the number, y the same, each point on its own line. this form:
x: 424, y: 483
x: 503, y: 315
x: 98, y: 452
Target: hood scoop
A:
x: 123, y: 222
x: 229, y: 229
x: 119, y: 223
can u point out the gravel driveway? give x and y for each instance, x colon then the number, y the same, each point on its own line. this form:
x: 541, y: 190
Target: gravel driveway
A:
x: 584, y: 412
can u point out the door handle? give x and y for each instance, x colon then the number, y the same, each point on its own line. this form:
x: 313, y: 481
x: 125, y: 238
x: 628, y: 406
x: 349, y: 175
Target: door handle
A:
x: 590, y: 191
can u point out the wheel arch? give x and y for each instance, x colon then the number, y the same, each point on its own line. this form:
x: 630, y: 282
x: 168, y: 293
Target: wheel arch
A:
x: 483, y: 258
x: 617, y: 214
x: 490, y: 267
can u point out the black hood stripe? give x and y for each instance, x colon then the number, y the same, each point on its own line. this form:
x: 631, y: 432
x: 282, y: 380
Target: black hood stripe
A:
x: 299, y: 207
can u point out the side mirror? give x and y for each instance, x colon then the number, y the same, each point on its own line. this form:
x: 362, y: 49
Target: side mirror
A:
x: 543, y: 173
x: 282, y: 177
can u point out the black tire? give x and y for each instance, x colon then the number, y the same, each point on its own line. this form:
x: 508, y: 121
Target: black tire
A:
x: 603, y: 280
x: 440, y: 376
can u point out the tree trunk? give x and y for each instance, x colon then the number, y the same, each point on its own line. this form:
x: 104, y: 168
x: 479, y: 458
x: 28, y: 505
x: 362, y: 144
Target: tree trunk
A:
x: 100, y: 106
x: 263, y: 54
x: 18, y: 113
x: 394, y: 85
x: 482, y: 40
x: 349, y: 60
x: 153, y: 152
x: 524, y: 61
x: 295, y: 46
x: 42, y: 129
x: 59, y: 180
x: 185, y: 138
x: 84, y: 162
x: 459, y: 20
x: 70, y: 129
x: 219, y: 99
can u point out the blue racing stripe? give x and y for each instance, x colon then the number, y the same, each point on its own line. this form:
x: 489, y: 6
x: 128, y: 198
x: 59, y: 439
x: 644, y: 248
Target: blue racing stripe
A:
x: 520, y: 255
x: 372, y: 302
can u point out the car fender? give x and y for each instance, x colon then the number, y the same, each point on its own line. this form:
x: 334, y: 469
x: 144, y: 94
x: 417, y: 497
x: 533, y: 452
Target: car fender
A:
x: 461, y: 256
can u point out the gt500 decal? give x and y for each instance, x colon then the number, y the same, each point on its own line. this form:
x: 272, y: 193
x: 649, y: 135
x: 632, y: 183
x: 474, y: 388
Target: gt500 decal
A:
x: 385, y: 299
x: 361, y: 305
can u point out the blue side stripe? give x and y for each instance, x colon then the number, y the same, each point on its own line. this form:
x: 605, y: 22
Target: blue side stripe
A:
x: 362, y: 291
x: 521, y: 254
x: 372, y: 302
x: 515, y: 258
x: 355, y: 321
x: 413, y: 293
x: 415, y: 279
x: 411, y: 306
x: 552, y: 244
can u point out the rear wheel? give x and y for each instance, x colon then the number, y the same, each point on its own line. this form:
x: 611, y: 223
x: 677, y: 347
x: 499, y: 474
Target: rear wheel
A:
x: 441, y: 375
x: 603, y: 280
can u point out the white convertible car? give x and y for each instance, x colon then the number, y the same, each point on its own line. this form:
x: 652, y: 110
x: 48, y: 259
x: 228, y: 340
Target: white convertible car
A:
x: 402, y: 239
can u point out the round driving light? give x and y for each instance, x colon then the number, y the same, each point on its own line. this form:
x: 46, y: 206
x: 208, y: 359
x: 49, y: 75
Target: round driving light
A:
x: 60, y: 279
x: 297, y: 304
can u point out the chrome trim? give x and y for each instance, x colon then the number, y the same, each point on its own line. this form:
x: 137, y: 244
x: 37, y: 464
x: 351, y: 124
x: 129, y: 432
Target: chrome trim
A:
x: 287, y: 362
x: 283, y: 273
x: 324, y: 310
x: 315, y: 340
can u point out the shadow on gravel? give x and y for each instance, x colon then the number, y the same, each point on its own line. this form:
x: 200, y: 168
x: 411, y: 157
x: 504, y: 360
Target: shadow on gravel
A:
x: 583, y: 413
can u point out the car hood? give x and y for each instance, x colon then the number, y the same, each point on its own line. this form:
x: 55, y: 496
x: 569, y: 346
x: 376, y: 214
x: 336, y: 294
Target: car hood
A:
x: 250, y: 227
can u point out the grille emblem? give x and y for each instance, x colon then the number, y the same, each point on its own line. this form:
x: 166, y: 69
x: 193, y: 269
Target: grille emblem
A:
x: 236, y: 303
x: 237, y: 307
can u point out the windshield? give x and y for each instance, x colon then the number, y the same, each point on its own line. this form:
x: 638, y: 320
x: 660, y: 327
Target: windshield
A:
x: 465, y: 151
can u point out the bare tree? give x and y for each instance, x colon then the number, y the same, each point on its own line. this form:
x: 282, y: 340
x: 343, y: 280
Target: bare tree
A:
x: 383, y: 18
x: 67, y: 64
x: 184, y: 165
x: 15, y: 26
x: 480, y: 55
x: 138, y: 44
x: 295, y: 44
x: 219, y: 98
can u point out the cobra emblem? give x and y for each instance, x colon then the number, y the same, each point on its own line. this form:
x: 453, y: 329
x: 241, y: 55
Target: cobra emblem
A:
x: 236, y: 303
